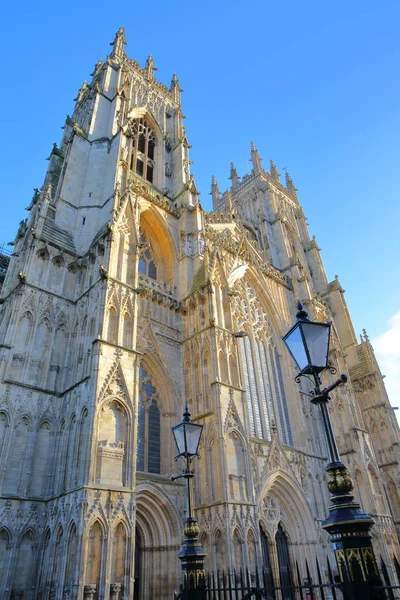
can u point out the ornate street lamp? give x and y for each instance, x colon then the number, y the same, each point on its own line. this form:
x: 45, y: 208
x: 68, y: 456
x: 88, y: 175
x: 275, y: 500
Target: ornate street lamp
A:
x: 187, y: 437
x: 348, y: 527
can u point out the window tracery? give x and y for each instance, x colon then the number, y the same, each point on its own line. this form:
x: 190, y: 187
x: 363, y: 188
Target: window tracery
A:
x: 142, y: 149
x: 261, y: 368
x: 147, y: 264
x: 148, y: 444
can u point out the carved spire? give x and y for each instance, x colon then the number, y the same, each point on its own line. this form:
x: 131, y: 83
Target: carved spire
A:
x: 175, y: 88
x: 118, y: 44
x: 273, y: 171
x: 150, y: 67
x: 256, y: 160
x: 215, y: 193
x: 290, y: 185
x: 234, y: 177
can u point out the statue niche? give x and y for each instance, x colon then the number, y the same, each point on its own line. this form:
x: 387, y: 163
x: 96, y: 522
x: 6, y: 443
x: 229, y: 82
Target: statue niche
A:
x: 236, y: 467
x: 111, y: 444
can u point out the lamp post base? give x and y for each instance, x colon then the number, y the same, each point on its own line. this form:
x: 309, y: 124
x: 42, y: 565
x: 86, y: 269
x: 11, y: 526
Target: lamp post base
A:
x: 192, y: 558
x: 349, y: 528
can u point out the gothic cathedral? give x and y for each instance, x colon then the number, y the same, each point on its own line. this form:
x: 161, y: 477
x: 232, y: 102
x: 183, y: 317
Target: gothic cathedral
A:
x: 124, y: 300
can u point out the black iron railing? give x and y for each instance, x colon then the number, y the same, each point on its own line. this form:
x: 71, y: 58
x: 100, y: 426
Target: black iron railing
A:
x: 243, y: 584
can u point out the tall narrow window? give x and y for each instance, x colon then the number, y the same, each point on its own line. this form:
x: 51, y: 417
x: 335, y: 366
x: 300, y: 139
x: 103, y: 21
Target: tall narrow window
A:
x: 255, y: 389
x: 148, y: 444
x: 142, y: 152
x: 147, y: 265
x: 247, y: 379
x: 261, y: 369
x: 281, y: 397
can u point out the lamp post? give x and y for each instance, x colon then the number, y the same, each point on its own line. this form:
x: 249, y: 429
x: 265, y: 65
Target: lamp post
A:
x: 348, y: 527
x: 187, y: 438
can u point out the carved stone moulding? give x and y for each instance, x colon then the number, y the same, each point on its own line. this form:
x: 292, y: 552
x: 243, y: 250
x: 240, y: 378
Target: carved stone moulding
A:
x: 89, y: 591
x: 115, y: 591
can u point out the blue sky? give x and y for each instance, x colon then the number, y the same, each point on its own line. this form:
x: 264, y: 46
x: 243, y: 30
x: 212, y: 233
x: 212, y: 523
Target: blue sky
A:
x: 315, y: 85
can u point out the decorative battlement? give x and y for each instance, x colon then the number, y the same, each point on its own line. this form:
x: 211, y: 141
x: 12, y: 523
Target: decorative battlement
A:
x: 170, y: 93
x: 240, y: 183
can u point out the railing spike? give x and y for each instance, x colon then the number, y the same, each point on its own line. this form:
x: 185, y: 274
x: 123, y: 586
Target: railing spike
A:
x: 386, y: 579
x: 397, y: 567
x: 321, y: 583
x: 248, y: 577
x: 224, y: 583
x: 331, y: 580
x: 241, y: 578
x: 299, y: 580
x: 230, y: 585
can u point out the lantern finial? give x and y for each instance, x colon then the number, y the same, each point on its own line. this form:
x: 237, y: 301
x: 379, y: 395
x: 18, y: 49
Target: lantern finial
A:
x: 186, y: 414
x: 302, y: 314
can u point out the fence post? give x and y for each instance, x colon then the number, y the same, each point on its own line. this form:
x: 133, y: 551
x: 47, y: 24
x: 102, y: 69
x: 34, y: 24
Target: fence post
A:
x: 386, y: 579
x: 349, y: 530
x: 192, y: 558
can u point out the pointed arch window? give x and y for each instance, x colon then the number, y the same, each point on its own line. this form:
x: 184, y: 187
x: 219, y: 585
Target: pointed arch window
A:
x: 143, y: 149
x: 265, y: 393
x: 280, y: 396
x: 261, y: 369
x: 147, y: 265
x: 148, y: 444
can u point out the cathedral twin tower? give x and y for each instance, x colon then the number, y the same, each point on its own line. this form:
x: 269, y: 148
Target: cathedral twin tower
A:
x: 123, y: 300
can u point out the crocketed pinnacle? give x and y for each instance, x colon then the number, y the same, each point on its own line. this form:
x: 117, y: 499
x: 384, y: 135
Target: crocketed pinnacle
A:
x: 118, y: 44
x: 255, y: 159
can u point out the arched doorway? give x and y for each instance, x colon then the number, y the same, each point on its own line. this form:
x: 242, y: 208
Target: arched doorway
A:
x: 285, y: 571
x: 157, y: 537
x: 138, y: 564
x: 286, y: 516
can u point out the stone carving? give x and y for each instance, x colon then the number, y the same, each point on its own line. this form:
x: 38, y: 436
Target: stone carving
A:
x: 115, y: 591
x: 270, y: 508
x: 232, y: 419
x: 89, y: 591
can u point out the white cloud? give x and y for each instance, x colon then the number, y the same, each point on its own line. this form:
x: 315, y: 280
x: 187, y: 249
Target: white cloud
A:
x: 387, y: 352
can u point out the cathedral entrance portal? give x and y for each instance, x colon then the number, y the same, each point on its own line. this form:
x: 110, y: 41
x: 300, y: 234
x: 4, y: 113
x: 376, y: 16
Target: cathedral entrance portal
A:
x: 157, y: 543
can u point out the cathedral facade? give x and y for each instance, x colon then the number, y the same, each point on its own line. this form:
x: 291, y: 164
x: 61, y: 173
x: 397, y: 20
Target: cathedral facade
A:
x: 123, y: 301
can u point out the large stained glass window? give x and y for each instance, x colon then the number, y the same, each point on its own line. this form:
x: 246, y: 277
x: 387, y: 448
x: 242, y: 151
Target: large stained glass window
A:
x: 148, y: 444
x: 261, y: 369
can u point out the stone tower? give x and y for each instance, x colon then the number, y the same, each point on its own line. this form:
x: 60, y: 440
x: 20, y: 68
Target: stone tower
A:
x: 123, y: 300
